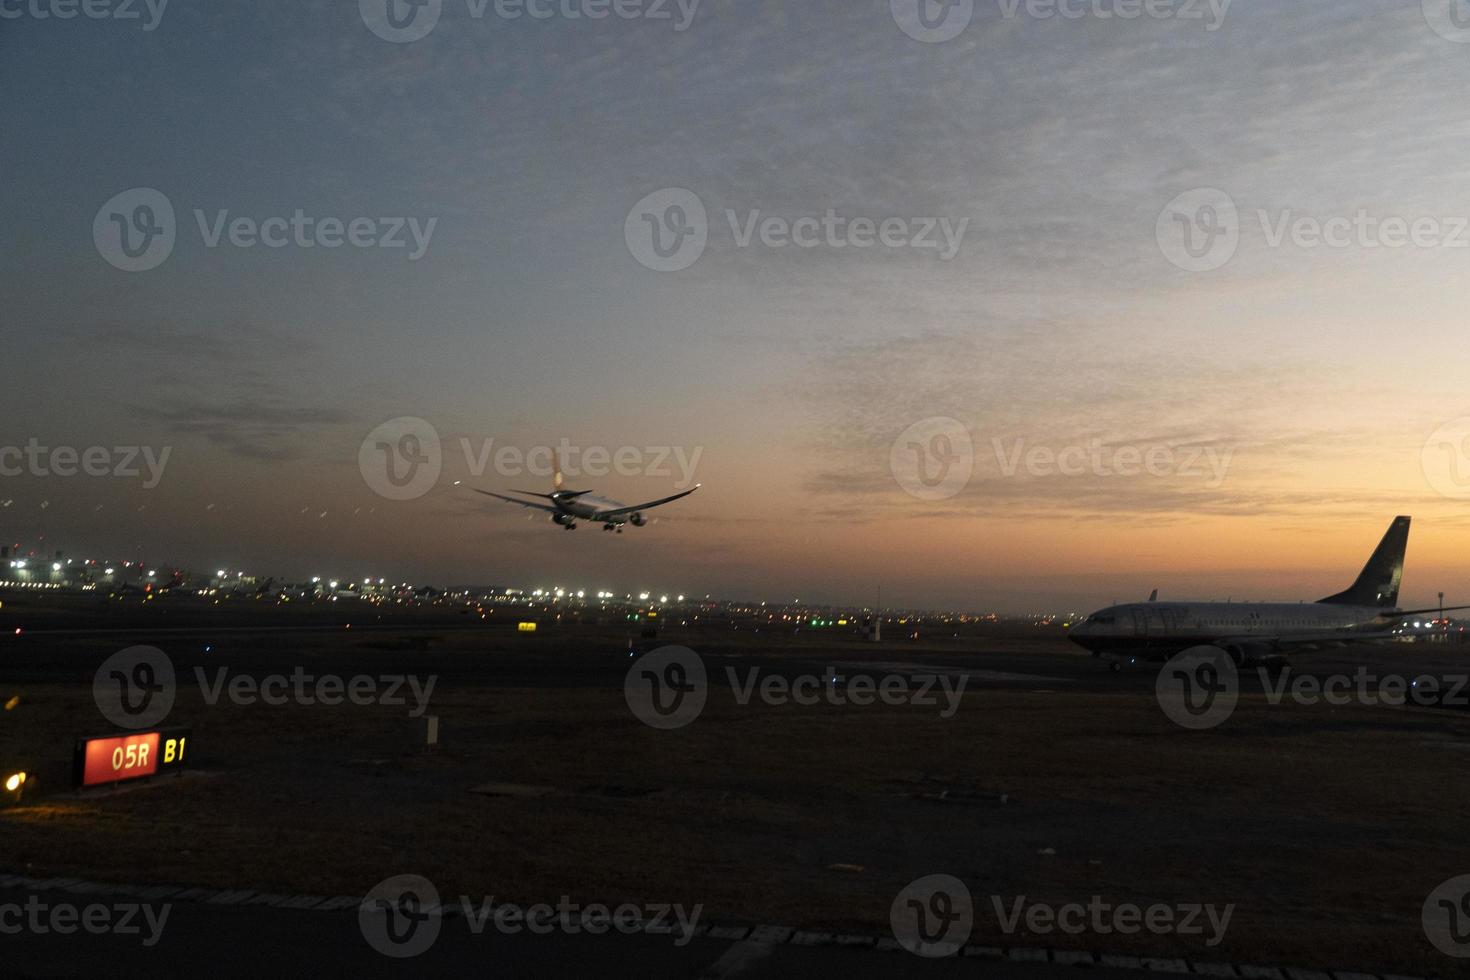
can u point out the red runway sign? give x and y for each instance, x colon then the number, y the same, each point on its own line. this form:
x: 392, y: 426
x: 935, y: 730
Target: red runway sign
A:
x: 117, y: 758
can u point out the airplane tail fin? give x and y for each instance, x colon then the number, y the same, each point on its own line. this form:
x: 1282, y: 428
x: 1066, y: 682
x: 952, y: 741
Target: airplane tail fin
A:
x: 1378, y: 583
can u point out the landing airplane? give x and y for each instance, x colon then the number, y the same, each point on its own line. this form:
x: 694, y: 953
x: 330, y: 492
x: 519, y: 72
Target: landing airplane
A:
x: 1259, y: 632
x: 567, y: 507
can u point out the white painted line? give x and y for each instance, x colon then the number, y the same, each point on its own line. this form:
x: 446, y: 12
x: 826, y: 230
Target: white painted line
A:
x: 736, y: 960
x: 194, y: 895
x: 267, y: 899
x: 1164, y: 965
x: 1121, y: 962
x: 775, y: 935
x: 231, y: 898
x: 1025, y: 954
x: 985, y: 952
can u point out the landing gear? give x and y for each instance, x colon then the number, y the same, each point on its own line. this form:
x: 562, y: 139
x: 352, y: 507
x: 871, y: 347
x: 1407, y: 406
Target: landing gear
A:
x: 613, y: 527
x: 569, y: 527
x: 1115, y: 667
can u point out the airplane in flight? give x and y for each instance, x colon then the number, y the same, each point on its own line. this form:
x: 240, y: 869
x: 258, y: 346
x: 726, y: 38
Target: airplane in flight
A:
x: 567, y: 507
x: 1259, y: 632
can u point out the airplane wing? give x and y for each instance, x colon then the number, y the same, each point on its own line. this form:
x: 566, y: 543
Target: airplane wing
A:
x: 514, y: 500
x: 1308, y: 641
x: 621, y: 511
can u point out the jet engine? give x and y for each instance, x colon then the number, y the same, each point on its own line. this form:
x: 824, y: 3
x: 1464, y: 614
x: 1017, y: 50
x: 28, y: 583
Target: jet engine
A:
x: 638, y: 519
x: 1250, y: 654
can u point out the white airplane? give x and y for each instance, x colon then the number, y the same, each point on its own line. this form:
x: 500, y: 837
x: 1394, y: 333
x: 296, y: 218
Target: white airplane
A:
x: 567, y: 507
x: 1259, y: 632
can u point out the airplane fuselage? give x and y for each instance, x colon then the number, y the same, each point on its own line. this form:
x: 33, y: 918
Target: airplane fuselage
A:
x: 588, y: 506
x: 1164, y: 628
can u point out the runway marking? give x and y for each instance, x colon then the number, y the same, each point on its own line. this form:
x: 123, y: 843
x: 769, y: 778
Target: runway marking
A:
x: 737, y: 959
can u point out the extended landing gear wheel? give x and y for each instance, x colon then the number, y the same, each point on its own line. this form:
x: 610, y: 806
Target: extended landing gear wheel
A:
x: 1115, y: 667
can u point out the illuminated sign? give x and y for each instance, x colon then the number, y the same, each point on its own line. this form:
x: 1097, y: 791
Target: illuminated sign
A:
x: 527, y: 627
x: 111, y: 759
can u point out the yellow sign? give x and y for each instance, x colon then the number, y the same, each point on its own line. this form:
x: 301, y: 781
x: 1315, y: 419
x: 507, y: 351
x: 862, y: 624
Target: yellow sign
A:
x: 527, y: 627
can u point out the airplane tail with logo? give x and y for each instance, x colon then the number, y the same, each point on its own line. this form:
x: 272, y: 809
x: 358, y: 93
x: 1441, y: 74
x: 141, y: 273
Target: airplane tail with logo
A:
x: 1378, y: 583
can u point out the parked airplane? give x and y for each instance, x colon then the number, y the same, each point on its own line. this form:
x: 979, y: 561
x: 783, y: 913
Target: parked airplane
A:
x: 567, y: 507
x: 1259, y: 632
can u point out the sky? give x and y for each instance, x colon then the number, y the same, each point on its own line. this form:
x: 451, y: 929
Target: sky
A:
x: 1057, y: 306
